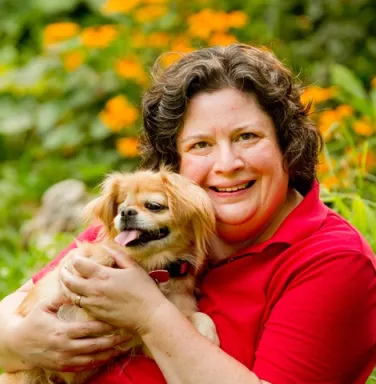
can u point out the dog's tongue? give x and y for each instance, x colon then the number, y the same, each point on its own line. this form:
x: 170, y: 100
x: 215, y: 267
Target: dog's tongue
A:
x: 125, y: 237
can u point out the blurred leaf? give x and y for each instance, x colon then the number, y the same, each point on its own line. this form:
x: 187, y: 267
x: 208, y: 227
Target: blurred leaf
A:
x: 47, y: 115
x: 344, y: 78
x: 359, y: 215
x: 16, y: 123
x: 373, y: 98
x: 98, y: 130
x: 65, y: 135
x: 54, y: 7
x: 33, y: 72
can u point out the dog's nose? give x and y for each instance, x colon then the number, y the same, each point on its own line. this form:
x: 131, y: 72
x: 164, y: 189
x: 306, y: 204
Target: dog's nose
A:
x: 129, y: 212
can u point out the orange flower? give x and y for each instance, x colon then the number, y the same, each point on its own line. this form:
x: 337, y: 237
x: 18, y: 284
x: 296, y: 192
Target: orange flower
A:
x: 326, y: 120
x: 155, y: 39
x: 370, y: 163
x: 203, y: 23
x: 98, y: 37
x: 316, y: 94
x: 169, y: 58
x: 55, y: 33
x: 323, y: 167
x: 220, y: 38
x: 139, y: 40
x: 158, y: 39
x: 119, y: 113
x: 155, y: 2
x: 363, y: 127
x: 331, y: 182
x: 181, y: 44
x: 127, y: 146
x: 131, y: 69
x: 355, y: 157
x: 344, y: 111
x: 237, y: 19
x: 73, y: 60
x: 373, y: 82
x: 119, y: 6
x: 150, y: 13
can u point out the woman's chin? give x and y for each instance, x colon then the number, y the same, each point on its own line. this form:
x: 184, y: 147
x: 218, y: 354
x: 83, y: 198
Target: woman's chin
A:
x: 233, y: 233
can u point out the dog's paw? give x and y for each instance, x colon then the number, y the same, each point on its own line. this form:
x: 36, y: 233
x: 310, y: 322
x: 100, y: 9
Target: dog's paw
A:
x: 205, y: 325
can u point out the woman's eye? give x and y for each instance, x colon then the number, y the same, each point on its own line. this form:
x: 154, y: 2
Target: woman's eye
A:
x: 154, y: 207
x: 200, y: 145
x: 246, y: 136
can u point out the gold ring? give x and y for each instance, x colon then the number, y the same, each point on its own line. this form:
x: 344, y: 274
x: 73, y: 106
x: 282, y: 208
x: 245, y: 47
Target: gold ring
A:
x: 77, y: 301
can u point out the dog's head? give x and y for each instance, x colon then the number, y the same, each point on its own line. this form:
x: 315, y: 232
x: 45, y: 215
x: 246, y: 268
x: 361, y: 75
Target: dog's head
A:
x: 150, y: 211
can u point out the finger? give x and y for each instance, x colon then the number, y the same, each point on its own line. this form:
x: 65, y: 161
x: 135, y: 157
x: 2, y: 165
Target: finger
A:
x: 92, y: 328
x: 73, y: 285
x: 98, y: 344
x: 121, y: 258
x: 85, y: 267
x: 52, y: 304
x: 84, y: 362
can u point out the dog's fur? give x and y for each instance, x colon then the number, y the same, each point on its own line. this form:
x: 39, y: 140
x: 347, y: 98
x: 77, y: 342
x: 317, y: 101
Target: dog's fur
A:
x: 188, y: 215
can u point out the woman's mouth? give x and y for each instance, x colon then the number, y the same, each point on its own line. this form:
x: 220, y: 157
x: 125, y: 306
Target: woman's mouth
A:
x: 236, y: 188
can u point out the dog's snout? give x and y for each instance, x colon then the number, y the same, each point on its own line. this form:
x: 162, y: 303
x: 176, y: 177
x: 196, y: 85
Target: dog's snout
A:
x: 128, y: 212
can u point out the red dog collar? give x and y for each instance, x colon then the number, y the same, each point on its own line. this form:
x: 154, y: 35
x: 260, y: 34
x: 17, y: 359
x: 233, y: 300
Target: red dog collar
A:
x: 177, y: 269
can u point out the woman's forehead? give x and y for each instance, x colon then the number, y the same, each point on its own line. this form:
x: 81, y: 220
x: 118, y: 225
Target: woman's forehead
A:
x: 227, y: 109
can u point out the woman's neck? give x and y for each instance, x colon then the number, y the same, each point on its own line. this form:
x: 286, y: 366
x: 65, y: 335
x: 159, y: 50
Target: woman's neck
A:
x: 220, y: 249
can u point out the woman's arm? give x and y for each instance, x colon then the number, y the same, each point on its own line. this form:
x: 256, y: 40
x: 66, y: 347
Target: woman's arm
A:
x: 129, y: 298
x: 8, y: 305
x: 42, y: 340
x: 185, y: 356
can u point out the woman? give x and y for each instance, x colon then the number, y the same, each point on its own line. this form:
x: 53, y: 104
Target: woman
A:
x: 291, y: 285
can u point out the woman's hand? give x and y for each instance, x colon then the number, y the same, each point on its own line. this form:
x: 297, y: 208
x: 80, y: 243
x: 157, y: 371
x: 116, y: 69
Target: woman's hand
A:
x: 42, y: 340
x: 125, y: 297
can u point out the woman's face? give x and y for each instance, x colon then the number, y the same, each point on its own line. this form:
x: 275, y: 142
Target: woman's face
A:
x: 228, y: 145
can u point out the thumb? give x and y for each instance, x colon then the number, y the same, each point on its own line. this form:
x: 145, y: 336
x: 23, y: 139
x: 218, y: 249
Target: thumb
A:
x: 121, y: 258
x: 52, y: 304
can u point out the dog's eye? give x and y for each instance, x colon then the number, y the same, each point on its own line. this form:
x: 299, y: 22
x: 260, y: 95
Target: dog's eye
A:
x: 154, y: 207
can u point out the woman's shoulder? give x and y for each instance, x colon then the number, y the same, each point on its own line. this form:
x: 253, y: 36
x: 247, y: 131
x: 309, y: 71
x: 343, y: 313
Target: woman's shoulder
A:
x: 335, y: 246
x: 336, y: 234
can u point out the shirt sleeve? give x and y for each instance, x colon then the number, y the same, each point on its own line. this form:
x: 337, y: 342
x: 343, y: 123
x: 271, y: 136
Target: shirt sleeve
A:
x: 323, y: 327
x: 89, y: 235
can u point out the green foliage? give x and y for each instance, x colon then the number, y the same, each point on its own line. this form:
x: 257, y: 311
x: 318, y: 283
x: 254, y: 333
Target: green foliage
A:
x: 50, y: 111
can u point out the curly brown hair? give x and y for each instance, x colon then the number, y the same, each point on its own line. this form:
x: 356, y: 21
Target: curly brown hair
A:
x: 243, y: 67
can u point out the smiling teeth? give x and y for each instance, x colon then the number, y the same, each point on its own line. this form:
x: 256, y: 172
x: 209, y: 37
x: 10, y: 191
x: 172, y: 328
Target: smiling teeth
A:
x: 233, y: 189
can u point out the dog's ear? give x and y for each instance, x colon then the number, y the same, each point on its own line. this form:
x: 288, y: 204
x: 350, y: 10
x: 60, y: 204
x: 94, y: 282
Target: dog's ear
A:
x: 103, y: 209
x: 190, y: 205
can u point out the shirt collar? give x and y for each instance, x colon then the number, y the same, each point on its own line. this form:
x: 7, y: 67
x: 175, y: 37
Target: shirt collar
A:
x: 304, y: 220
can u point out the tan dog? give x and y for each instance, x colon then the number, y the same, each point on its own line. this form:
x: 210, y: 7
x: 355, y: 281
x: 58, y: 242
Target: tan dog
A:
x: 164, y: 222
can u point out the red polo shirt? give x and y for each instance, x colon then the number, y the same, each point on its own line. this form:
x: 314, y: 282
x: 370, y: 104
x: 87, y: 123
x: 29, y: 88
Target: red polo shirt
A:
x: 298, y: 308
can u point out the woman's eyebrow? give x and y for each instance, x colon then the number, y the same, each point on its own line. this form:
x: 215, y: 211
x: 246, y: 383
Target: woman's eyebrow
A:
x: 202, y: 136
x: 194, y: 137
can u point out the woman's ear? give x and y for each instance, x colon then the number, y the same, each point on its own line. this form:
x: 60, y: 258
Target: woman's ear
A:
x: 190, y: 205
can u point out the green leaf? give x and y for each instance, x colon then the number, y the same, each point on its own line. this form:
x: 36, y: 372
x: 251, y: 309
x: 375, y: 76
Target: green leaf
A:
x: 53, y: 7
x: 33, y: 72
x: 359, y: 215
x: 373, y: 98
x: 16, y: 123
x: 98, y: 130
x: 345, y: 79
x: 63, y: 135
x: 342, y: 208
x: 48, y: 115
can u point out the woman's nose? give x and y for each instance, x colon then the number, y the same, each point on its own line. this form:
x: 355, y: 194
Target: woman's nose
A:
x: 227, y: 160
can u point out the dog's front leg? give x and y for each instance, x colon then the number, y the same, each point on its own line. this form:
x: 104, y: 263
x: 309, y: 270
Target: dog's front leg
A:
x: 205, y: 325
